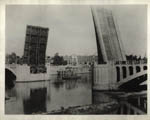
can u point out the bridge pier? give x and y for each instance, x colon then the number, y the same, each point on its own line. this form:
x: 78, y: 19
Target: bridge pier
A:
x: 110, y: 76
x: 23, y: 74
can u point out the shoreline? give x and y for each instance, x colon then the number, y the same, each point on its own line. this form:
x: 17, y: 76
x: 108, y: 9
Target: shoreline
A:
x: 102, y: 108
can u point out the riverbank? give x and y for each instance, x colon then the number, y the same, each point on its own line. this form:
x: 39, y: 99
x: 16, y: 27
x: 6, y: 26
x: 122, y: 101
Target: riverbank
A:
x: 105, y: 103
x: 102, y: 108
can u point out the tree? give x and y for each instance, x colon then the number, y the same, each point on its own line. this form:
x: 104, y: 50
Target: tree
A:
x: 11, y: 58
x: 58, y: 60
x: 7, y: 59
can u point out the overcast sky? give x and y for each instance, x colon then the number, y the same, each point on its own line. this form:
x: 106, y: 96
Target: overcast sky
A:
x: 71, y: 29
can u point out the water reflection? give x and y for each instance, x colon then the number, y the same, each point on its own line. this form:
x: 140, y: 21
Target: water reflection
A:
x: 42, y: 97
x: 71, y: 84
x: 58, y: 85
x: 36, y: 102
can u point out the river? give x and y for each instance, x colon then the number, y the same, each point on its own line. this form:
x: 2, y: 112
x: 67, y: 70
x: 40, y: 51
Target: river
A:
x: 46, y: 96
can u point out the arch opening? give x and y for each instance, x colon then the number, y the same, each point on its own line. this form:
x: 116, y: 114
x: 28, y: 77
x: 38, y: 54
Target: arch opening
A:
x: 124, y: 71
x: 10, y: 77
x: 138, y: 69
x: 130, y: 70
x: 145, y: 68
x: 118, y: 73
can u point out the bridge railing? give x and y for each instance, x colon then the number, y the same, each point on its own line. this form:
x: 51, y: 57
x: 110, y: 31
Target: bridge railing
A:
x: 131, y: 62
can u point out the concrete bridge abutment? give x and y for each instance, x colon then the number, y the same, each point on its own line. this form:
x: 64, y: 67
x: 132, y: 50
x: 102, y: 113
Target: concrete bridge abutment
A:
x: 108, y: 76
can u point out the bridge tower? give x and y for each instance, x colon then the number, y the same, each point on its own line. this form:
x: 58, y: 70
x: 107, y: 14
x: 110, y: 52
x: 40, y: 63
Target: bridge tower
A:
x: 109, y: 44
x: 112, y: 68
x: 35, y: 46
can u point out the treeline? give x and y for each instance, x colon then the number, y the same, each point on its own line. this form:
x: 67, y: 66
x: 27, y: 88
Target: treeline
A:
x: 58, y: 60
x: 13, y: 58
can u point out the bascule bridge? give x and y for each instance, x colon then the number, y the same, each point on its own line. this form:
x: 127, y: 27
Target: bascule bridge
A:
x: 113, y: 71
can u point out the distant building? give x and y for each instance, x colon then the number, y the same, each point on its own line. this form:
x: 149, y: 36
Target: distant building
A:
x: 71, y: 60
x: 108, y: 39
x: 68, y: 59
x: 87, y: 59
x: 81, y: 60
x: 48, y: 59
x: 35, y: 45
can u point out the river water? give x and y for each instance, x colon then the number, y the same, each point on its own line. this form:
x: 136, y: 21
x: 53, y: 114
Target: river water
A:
x: 43, y: 97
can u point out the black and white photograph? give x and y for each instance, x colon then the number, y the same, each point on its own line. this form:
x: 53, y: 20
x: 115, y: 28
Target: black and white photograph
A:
x: 75, y: 59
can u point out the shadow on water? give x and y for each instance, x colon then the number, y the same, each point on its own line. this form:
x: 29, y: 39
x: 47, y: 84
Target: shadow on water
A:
x: 36, y: 102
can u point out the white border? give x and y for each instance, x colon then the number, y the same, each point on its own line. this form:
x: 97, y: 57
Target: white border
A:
x: 64, y: 117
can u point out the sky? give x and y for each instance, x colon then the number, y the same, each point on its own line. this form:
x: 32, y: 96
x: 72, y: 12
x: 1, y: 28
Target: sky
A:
x: 71, y: 29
